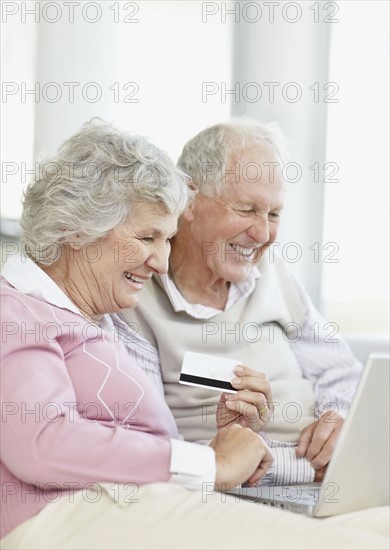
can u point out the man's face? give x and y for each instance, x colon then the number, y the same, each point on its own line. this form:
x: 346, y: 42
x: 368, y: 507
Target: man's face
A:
x: 236, y: 227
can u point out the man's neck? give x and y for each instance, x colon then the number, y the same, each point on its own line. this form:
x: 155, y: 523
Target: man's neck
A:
x: 193, y: 278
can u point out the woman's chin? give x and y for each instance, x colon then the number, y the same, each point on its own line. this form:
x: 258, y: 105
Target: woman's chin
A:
x: 131, y: 301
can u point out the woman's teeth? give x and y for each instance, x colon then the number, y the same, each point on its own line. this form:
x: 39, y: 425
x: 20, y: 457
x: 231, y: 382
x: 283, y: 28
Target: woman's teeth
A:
x: 134, y: 278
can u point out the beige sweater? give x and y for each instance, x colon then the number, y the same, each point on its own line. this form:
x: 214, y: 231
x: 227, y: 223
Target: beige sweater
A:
x: 251, y: 331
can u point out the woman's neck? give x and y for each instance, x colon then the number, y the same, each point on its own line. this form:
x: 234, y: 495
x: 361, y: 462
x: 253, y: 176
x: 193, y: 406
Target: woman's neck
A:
x: 76, y: 291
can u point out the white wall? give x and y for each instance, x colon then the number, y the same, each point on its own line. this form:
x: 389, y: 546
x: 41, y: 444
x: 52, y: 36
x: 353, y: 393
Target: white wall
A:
x: 284, y: 54
x: 181, y: 57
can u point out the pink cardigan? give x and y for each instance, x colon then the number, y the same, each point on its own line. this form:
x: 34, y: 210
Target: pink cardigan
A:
x: 75, y: 409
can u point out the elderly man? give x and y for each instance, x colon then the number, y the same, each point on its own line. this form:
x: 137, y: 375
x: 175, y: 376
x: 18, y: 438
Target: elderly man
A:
x: 225, y: 294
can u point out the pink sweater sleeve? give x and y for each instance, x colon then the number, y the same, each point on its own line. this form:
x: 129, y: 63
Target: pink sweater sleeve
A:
x: 45, y: 439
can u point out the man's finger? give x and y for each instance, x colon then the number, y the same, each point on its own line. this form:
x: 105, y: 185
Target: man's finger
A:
x: 258, y: 400
x: 248, y: 396
x: 320, y: 474
x: 250, y: 413
x: 249, y: 379
x: 324, y: 456
x: 225, y: 417
x: 253, y: 383
x: 320, y: 436
x: 243, y: 370
x: 304, y: 440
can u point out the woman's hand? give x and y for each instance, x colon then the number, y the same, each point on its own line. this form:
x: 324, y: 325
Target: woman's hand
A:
x: 251, y: 406
x: 241, y: 456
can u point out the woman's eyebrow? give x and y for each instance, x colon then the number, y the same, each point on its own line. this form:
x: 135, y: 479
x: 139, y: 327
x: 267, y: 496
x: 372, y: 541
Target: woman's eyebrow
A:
x: 157, y: 232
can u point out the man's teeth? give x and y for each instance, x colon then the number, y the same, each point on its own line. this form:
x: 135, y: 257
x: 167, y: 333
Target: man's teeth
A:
x: 134, y: 278
x: 245, y: 251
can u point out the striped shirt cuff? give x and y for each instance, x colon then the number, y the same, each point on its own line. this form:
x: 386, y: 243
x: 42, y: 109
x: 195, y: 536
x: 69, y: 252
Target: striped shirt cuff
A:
x: 287, y: 468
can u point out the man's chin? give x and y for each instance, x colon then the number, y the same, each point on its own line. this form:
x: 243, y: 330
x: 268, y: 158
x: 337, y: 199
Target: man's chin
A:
x: 238, y: 273
x: 260, y: 254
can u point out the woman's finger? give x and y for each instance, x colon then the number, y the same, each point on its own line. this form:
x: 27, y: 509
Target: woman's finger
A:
x: 262, y: 469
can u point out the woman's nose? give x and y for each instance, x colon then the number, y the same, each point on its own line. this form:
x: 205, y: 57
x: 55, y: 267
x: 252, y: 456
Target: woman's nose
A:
x: 158, y: 261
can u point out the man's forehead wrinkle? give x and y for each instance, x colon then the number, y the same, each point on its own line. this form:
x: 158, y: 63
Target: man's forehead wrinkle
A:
x: 235, y: 198
x: 254, y: 195
x: 256, y: 152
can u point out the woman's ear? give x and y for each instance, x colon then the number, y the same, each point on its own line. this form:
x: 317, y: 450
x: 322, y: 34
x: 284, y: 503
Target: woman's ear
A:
x: 75, y: 244
x: 188, y: 214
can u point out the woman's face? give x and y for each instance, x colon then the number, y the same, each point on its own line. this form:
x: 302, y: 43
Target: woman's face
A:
x: 116, y: 267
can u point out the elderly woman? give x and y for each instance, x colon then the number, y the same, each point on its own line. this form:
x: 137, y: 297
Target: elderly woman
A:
x: 97, y: 223
x: 228, y: 293
x: 86, y: 437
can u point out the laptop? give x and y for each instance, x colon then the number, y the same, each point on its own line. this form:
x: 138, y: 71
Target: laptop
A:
x: 357, y: 476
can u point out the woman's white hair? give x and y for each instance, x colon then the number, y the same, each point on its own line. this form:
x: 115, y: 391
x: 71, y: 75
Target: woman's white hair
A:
x: 206, y: 156
x: 95, y: 183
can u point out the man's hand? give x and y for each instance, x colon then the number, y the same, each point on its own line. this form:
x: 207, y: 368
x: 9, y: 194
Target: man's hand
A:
x: 317, y: 441
x: 251, y: 406
x: 240, y: 455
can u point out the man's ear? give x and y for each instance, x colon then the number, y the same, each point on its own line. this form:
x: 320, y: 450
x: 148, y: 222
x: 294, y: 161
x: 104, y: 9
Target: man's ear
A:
x: 189, y: 213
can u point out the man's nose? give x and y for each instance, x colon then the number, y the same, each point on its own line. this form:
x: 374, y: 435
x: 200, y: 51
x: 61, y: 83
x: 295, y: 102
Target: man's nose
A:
x: 259, y: 230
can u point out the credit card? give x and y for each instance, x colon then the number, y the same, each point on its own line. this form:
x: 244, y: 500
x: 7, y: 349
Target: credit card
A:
x: 208, y: 371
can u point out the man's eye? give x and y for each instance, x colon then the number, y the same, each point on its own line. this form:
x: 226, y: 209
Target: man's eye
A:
x: 244, y: 212
x: 147, y: 239
x: 274, y: 215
